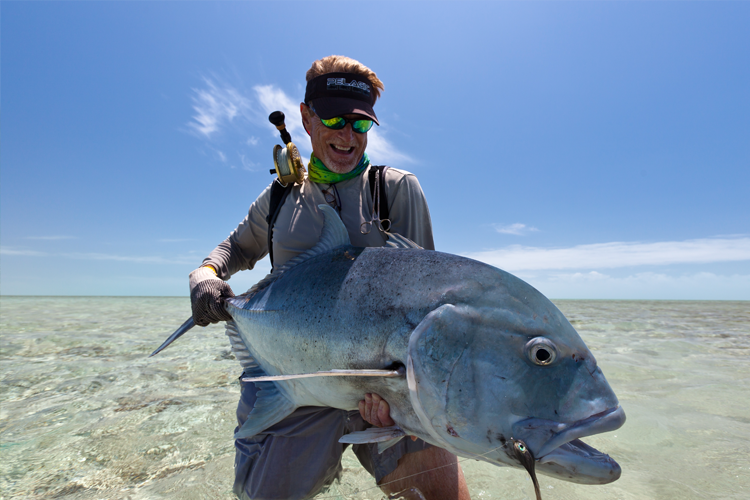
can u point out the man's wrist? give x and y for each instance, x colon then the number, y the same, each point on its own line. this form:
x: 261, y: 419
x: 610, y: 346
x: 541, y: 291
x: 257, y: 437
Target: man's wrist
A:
x: 203, y: 273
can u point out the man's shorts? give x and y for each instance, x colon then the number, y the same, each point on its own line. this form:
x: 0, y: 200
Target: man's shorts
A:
x: 300, y: 456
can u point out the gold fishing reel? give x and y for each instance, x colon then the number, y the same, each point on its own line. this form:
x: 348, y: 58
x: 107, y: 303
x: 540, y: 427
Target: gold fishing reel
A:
x: 287, y: 160
x: 288, y: 163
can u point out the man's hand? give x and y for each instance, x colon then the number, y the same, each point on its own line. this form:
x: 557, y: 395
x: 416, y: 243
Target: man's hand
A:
x: 375, y: 410
x: 207, y: 294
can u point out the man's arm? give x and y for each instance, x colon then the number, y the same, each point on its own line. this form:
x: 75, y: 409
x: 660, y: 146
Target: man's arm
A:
x: 241, y: 250
x: 246, y: 245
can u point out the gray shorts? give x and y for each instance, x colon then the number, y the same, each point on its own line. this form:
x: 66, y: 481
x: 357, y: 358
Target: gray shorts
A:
x: 301, y: 456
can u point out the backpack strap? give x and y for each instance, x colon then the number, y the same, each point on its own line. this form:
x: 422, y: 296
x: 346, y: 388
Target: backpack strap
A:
x: 380, y: 171
x: 279, y: 192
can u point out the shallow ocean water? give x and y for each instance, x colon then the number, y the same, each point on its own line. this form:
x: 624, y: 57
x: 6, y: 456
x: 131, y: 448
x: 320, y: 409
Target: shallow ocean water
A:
x: 85, y: 414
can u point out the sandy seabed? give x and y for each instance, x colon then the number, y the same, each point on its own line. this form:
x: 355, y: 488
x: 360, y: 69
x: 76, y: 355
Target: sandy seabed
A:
x: 85, y: 414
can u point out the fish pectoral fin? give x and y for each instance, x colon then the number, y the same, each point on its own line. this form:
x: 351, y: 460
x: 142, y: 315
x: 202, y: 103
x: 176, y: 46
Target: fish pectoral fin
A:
x: 384, y: 436
x: 270, y: 408
x: 384, y: 445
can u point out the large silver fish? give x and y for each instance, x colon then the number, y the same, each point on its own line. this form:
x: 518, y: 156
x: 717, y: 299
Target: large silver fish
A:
x: 469, y: 357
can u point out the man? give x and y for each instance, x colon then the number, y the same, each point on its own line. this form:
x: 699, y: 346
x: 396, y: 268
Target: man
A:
x: 300, y: 456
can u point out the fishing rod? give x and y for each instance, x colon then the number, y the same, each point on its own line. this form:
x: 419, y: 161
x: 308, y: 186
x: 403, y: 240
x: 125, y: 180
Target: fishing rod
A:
x: 286, y: 160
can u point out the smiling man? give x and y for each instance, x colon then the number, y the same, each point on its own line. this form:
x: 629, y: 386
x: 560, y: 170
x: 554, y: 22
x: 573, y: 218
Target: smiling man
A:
x: 300, y: 456
x: 338, y: 148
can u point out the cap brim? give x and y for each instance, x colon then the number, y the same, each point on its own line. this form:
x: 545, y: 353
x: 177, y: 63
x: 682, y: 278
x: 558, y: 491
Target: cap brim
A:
x: 330, y: 107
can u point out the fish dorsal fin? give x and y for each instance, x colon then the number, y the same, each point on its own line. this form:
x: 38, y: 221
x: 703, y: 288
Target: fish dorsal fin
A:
x: 395, y: 240
x: 334, y: 235
x: 242, y: 299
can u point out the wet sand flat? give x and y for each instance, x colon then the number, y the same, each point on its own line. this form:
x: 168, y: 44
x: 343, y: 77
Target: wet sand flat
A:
x: 84, y: 413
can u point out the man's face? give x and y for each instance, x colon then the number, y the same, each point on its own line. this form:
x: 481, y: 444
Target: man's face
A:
x: 339, y: 150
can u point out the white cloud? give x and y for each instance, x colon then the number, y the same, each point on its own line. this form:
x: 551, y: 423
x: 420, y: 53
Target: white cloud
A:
x: 644, y: 286
x: 382, y: 152
x: 248, y: 164
x: 579, y: 277
x: 139, y: 259
x: 22, y: 252
x: 518, y: 229
x: 214, y: 106
x: 50, y: 238
x: 272, y: 98
x: 617, y: 254
x: 219, y: 106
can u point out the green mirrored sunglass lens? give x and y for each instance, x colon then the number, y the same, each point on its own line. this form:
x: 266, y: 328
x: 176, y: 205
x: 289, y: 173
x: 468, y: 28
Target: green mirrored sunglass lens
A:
x: 362, y: 126
x: 340, y: 122
x: 336, y: 122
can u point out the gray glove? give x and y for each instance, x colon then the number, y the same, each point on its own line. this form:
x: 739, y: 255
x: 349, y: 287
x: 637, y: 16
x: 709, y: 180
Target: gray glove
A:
x: 207, y: 294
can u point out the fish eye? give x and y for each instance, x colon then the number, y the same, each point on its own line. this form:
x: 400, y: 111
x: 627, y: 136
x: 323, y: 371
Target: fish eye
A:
x: 541, y: 351
x: 520, y: 447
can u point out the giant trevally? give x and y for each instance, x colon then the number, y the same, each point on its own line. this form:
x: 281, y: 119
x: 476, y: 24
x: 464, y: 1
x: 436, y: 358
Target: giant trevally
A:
x: 469, y: 357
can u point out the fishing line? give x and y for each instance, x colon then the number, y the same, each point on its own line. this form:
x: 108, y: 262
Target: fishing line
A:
x: 412, y: 475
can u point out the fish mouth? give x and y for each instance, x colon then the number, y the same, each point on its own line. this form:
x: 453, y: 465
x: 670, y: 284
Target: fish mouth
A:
x: 580, y: 463
x: 566, y: 457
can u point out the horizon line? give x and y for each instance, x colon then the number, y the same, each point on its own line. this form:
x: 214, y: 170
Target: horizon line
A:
x: 187, y: 297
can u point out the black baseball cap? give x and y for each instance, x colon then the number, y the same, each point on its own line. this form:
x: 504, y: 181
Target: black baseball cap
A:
x: 336, y: 94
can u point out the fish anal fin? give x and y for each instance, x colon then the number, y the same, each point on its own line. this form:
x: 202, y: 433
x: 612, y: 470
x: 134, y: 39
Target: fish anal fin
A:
x: 271, y: 407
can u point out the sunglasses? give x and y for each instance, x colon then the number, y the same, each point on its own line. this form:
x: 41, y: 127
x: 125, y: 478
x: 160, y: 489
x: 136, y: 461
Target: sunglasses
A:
x: 361, y: 126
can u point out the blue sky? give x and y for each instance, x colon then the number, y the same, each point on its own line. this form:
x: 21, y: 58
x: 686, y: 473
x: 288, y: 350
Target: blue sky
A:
x: 594, y: 149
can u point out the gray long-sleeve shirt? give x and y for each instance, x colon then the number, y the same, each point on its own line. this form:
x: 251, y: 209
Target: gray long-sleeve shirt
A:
x: 300, y: 221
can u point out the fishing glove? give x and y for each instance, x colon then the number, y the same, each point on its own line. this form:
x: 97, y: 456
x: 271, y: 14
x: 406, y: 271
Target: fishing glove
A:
x: 207, y: 294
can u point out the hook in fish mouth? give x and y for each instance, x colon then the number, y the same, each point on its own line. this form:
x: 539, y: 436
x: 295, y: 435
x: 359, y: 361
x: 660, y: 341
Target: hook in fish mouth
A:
x: 563, y: 455
x: 523, y: 454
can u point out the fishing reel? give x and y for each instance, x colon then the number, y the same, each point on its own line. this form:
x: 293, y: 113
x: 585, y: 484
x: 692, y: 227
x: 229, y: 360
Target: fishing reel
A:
x: 287, y: 160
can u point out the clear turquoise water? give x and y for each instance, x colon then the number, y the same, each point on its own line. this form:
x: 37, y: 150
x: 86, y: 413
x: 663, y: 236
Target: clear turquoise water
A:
x: 84, y: 413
